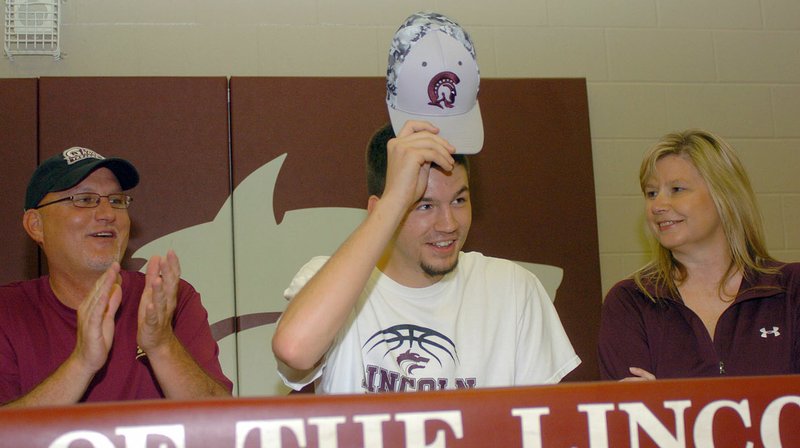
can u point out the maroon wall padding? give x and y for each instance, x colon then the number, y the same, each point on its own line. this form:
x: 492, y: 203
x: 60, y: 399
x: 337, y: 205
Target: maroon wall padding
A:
x: 322, y: 123
x: 174, y: 130
x: 532, y: 185
x: 534, y: 198
x: 18, y: 140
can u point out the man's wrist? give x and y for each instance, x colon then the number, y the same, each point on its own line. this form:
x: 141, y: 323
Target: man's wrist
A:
x: 77, y: 366
x: 168, y: 347
x: 389, y: 206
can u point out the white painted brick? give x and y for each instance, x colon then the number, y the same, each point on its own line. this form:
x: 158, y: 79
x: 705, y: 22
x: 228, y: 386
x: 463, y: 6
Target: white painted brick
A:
x: 627, y: 110
x: 615, y: 267
x: 500, y: 13
x: 710, y: 14
x: 234, y: 55
x: 786, y: 104
x: 660, y: 55
x: 164, y: 49
x: 551, y: 52
x: 323, y: 51
x: 791, y: 220
x: 771, y: 164
x: 787, y: 256
x: 371, y: 12
x: 610, y: 271
x: 608, y: 13
x: 22, y: 68
x: 136, y: 12
x: 485, y: 49
x: 383, y: 40
x: 98, y: 11
x: 102, y: 50
x: 620, y: 224
x: 298, y: 12
x: 68, y: 12
x: 258, y: 12
x: 728, y: 110
x: 633, y: 261
x: 772, y: 214
x: 758, y: 56
x: 616, y: 166
x: 628, y: 264
x: 781, y: 14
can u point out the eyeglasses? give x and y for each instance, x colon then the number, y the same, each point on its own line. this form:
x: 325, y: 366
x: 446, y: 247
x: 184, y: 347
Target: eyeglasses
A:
x: 92, y: 200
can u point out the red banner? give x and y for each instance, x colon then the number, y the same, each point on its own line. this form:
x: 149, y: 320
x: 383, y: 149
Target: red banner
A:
x: 734, y: 412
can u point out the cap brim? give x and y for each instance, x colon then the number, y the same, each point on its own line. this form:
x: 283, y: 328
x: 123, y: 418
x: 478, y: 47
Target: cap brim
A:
x: 124, y: 171
x: 464, y: 132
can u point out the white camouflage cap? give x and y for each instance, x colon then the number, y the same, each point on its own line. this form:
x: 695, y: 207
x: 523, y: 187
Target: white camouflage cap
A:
x: 433, y: 75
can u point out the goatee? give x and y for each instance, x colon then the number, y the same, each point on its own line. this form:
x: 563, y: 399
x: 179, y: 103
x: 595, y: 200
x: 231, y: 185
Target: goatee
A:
x: 432, y: 271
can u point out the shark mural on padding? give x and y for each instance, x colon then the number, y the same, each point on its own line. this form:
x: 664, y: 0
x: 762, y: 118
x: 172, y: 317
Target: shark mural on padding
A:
x: 242, y: 261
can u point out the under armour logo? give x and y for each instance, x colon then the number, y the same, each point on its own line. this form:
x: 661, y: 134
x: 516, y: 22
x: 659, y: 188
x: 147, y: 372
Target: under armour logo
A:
x: 773, y: 332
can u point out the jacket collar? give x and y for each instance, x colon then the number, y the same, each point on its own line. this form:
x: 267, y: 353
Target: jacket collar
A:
x: 754, y: 285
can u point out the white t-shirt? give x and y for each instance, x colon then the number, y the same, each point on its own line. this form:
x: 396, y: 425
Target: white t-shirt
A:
x: 489, y: 323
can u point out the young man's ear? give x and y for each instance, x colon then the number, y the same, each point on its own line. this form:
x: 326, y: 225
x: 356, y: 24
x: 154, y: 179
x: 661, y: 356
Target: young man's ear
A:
x: 32, y: 222
x: 371, y: 203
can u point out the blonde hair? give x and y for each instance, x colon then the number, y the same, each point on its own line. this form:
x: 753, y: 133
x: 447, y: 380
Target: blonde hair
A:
x: 734, y: 200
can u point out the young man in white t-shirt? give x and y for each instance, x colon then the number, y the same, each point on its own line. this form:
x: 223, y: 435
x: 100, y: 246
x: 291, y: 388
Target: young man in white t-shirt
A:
x: 399, y: 307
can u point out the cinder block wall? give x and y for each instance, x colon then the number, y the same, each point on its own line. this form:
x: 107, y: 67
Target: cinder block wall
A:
x: 652, y: 66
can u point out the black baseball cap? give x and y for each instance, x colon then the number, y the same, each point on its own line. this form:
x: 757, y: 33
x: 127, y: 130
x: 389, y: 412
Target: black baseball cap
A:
x: 67, y: 169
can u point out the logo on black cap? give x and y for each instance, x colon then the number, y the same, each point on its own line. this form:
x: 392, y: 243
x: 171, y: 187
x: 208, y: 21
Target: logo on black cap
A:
x: 76, y: 154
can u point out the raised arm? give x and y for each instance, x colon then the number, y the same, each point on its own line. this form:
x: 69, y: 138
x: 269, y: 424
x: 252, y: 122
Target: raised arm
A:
x: 315, y: 315
x: 95, y: 334
x: 178, y: 374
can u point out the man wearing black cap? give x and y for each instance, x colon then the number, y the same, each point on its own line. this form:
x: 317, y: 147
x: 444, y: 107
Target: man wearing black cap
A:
x: 89, y: 331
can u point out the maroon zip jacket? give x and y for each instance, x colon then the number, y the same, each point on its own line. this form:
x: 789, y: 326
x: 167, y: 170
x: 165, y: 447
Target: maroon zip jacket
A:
x: 759, y: 334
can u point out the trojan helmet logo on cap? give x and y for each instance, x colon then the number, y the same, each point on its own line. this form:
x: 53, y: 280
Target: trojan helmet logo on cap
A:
x: 433, y: 76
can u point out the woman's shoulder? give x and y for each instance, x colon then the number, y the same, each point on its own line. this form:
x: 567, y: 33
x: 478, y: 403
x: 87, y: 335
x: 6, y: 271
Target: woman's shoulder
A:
x: 786, y: 272
x: 790, y: 268
x: 776, y: 276
x: 625, y: 290
x: 626, y: 284
x: 789, y: 274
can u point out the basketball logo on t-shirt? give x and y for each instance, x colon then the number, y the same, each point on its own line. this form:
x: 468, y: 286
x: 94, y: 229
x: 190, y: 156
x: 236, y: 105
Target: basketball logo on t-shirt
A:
x: 410, y: 361
x: 408, y: 357
x: 418, y: 338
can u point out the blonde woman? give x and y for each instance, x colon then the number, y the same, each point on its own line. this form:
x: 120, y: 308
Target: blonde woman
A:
x: 712, y: 301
